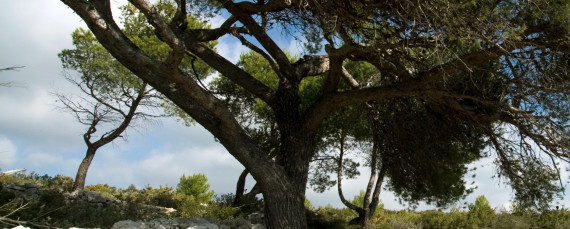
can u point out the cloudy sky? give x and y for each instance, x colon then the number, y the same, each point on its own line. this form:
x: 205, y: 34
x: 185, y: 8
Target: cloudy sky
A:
x: 37, y: 136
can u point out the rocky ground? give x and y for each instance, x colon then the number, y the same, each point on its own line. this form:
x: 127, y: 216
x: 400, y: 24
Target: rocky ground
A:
x: 88, y: 209
x: 188, y: 224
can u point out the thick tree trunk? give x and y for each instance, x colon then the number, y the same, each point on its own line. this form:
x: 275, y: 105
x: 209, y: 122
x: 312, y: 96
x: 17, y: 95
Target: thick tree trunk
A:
x: 83, y: 167
x: 285, y: 209
x: 285, y: 203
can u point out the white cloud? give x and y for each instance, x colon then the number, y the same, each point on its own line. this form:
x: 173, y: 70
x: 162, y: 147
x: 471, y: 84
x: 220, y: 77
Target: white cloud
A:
x: 216, y: 21
x: 43, y: 159
x: 51, y: 163
x: 230, y: 48
x: 40, y: 23
x: 34, y: 119
x: 7, y: 152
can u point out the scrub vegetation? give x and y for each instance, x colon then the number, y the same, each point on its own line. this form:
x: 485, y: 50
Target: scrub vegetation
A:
x: 194, y: 205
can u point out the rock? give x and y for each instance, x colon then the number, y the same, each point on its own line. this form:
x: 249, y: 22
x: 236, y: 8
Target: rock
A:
x: 100, y: 199
x: 30, y: 185
x: 166, y: 211
x: 197, y: 223
x: 200, y: 220
x: 16, y: 186
x: 256, y: 218
x: 81, y: 207
x: 204, y: 226
x: 236, y: 223
x: 77, y: 193
x: 125, y: 224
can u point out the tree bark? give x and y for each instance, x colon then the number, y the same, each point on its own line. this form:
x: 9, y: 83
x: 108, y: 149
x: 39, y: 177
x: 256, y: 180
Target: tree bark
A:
x: 83, y: 167
x: 285, y: 208
x: 240, y: 186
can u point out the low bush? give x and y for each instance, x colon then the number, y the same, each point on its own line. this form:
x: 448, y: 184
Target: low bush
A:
x: 191, y: 208
x: 105, y: 190
x: 35, y: 178
x: 511, y: 221
x: 330, y: 217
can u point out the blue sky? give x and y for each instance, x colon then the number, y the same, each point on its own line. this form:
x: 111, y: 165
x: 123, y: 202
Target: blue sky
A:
x: 37, y: 136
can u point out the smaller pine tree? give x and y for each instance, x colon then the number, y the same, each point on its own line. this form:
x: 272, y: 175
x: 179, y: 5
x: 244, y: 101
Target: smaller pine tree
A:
x: 195, y: 187
x: 480, y: 214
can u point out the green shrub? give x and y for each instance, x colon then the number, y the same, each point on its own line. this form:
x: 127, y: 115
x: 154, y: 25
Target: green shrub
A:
x: 33, y: 177
x: 511, y: 221
x: 105, y: 190
x: 329, y: 217
x: 191, y: 208
x: 437, y: 219
x: 162, y: 196
x: 555, y: 219
x: 400, y: 219
x: 129, y: 195
x: 480, y: 213
x: 221, y: 212
x: 398, y: 223
x: 61, y: 181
